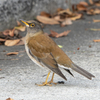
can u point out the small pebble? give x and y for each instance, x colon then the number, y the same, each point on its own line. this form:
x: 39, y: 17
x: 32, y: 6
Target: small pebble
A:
x: 60, y: 82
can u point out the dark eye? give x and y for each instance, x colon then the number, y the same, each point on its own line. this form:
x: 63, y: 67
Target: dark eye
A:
x: 32, y: 25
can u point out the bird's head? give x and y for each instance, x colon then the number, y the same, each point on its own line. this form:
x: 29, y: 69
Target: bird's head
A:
x: 33, y: 26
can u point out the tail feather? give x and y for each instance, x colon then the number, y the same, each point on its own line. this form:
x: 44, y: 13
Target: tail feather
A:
x: 69, y: 71
x: 82, y: 71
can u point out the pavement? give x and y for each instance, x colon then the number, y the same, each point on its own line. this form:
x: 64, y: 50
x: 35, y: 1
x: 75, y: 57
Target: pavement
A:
x: 19, y: 74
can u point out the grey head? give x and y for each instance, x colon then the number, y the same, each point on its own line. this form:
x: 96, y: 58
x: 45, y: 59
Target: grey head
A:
x: 32, y: 26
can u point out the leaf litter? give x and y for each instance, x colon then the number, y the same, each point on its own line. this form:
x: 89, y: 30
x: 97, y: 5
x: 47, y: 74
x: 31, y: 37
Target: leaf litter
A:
x: 62, y: 17
x: 12, y: 53
x: 56, y: 35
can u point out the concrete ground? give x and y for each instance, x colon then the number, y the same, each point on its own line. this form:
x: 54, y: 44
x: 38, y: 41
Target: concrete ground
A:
x: 19, y: 74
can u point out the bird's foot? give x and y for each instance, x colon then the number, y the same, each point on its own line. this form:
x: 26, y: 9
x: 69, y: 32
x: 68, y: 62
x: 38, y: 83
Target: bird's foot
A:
x: 44, y: 84
x: 47, y: 83
x: 50, y: 82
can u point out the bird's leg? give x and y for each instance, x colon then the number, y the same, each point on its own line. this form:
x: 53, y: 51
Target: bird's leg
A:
x: 45, y: 83
x: 52, y: 80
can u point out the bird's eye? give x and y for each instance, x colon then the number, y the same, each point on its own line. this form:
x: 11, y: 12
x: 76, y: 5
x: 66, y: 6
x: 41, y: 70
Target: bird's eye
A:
x: 32, y: 25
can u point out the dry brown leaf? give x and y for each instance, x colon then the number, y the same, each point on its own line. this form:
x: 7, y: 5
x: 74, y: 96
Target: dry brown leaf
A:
x: 59, y: 9
x: 95, y: 21
x: 2, y: 39
x: 46, y: 20
x: 58, y: 18
x: 6, y: 32
x: 78, y: 16
x: 20, y: 28
x: 65, y: 11
x: 91, y: 2
x: 84, y: 3
x: 11, y: 42
x: 53, y: 33
x: 67, y: 21
x: 97, y: 4
x: 81, y: 7
x: 93, y: 11
x: 12, y: 53
x: 9, y: 99
x: 65, y: 33
x: 56, y: 35
x: 90, y: 12
x: 21, y: 42
x: 0, y: 69
x: 18, y: 23
x: 96, y: 40
x: 96, y: 11
x: 45, y: 14
x: 9, y: 32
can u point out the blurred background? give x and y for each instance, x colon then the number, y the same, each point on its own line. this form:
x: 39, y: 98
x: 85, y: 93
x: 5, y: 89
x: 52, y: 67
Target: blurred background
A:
x: 13, y: 10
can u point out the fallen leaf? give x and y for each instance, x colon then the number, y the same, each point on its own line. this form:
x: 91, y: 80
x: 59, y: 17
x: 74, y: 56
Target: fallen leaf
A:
x: 58, y: 18
x: 45, y: 14
x: 12, y: 53
x: 56, y: 35
x: 65, y: 33
x: 0, y: 69
x: 20, y: 28
x: 53, y: 33
x: 81, y: 7
x: 59, y: 9
x: 97, y: 4
x: 21, y: 42
x: 67, y: 21
x: 9, y: 99
x: 65, y: 11
x: 91, y: 2
x: 93, y: 11
x: 2, y: 39
x: 78, y: 16
x: 11, y: 42
x: 96, y: 40
x: 90, y: 12
x: 18, y: 23
x: 46, y: 20
x: 84, y: 3
x: 9, y: 32
x: 6, y: 32
x: 95, y: 21
x: 96, y: 11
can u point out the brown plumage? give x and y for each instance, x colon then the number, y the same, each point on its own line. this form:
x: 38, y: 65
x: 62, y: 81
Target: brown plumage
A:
x: 46, y: 51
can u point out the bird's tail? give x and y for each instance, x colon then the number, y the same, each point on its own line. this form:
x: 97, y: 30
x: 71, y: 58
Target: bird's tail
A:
x: 82, y: 71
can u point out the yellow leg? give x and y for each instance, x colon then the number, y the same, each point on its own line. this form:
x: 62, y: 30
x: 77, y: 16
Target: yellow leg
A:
x: 45, y: 83
x: 52, y: 79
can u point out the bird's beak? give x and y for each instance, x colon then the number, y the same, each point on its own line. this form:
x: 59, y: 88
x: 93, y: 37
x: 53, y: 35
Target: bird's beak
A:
x: 24, y: 22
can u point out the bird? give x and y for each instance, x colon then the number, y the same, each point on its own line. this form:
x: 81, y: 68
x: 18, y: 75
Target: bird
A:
x: 43, y: 51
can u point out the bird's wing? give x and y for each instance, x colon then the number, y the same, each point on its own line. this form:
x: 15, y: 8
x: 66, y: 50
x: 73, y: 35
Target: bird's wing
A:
x: 42, y: 51
x: 41, y: 43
